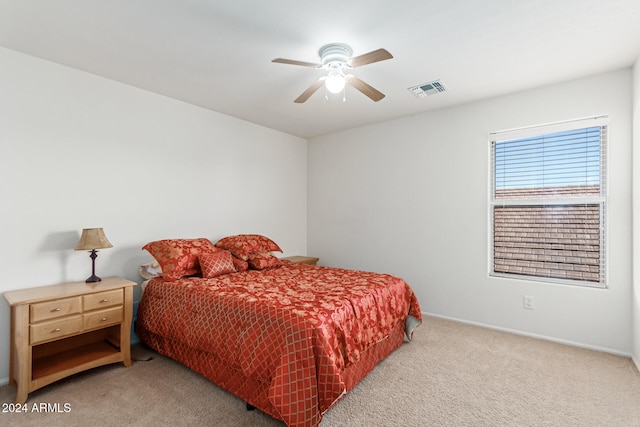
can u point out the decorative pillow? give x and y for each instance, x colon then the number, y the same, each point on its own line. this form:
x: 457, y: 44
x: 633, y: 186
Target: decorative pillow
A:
x: 179, y: 257
x: 242, y: 245
x: 216, y: 263
x: 239, y: 264
x: 263, y: 260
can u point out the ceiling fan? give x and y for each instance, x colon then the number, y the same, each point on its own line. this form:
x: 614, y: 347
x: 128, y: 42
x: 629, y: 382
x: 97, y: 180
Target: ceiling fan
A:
x: 335, y: 58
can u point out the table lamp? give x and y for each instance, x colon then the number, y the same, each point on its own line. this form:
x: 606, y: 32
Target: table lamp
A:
x: 91, y: 240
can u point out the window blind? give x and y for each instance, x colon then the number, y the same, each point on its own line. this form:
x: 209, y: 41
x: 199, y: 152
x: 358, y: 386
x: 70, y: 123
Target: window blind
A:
x: 548, y: 203
x: 563, y: 163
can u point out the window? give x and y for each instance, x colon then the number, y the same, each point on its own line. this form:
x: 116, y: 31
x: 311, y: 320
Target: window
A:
x: 548, y: 202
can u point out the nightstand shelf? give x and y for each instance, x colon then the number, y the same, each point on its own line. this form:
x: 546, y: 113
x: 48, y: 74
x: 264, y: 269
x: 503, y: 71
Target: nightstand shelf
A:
x: 60, y: 330
x: 62, y: 363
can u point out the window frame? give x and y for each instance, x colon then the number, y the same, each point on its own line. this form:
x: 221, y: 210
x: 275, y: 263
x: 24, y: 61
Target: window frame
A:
x: 601, y: 200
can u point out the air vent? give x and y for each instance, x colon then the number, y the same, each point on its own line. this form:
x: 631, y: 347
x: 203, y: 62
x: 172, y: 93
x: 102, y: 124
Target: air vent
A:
x: 428, y: 89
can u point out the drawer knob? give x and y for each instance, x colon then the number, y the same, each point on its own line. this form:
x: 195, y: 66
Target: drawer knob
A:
x: 104, y: 300
x: 104, y: 319
x: 56, y: 309
x: 57, y: 330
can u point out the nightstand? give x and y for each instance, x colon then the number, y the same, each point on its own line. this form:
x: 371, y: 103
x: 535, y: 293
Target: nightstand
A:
x: 302, y: 259
x: 60, y: 330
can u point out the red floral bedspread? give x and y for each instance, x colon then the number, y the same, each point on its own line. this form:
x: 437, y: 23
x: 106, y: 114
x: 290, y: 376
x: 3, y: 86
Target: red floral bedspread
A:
x: 295, y: 328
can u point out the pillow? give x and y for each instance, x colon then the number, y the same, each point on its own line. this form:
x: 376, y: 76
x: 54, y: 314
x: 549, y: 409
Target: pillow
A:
x: 179, y: 257
x: 263, y: 260
x: 216, y: 263
x: 150, y: 270
x: 242, y: 245
x: 239, y: 264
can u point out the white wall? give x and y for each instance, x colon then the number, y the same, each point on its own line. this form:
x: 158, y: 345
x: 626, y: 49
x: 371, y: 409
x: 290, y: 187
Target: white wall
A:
x: 636, y: 214
x: 78, y: 150
x: 409, y: 197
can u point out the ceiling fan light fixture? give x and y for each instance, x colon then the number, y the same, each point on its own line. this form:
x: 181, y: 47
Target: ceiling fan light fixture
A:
x: 335, y: 59
x: 335, y: 82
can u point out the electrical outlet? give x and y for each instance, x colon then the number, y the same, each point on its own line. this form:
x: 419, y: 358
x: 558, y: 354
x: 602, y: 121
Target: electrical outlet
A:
x: 528, y: 302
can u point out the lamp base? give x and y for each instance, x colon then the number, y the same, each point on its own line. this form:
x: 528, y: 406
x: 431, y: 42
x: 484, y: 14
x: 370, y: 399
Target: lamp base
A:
x: 93, y: 279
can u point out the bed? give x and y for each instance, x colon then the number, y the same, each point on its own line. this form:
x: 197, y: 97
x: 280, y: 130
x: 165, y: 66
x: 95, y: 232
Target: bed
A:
x: 289, y: 339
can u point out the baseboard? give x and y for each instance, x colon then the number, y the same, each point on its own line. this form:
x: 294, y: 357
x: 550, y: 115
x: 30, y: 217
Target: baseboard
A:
x: 4, y: 381
x: 537, y: 336
x: 636, y: 362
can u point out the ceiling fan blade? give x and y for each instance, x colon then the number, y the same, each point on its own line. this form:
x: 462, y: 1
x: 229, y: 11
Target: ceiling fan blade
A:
x: 369, y: 58
x: 310, y: 91
x: 293, y: 62
x: 368, y: 90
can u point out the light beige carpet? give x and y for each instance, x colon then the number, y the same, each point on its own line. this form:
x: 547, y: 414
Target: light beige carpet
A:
x: 452, y: 374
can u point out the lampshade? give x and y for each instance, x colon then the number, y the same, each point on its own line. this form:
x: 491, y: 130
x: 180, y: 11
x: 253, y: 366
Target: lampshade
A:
x: 335, y: 82
x: 93, y: 238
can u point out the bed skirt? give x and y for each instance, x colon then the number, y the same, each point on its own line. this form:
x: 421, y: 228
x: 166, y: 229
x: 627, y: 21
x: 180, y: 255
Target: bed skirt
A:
x: 255, y: 391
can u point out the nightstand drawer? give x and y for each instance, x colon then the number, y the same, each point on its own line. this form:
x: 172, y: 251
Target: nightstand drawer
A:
x: 54, y: 329
x: 102, y: 300
x: 102, y: 318
x: 56, y: 308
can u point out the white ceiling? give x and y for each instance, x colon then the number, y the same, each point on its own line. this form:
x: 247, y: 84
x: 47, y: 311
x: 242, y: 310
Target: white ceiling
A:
x: 217, y: 53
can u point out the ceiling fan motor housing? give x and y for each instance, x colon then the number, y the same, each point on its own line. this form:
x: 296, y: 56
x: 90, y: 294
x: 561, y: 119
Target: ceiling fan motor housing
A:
x: 335, y: 54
